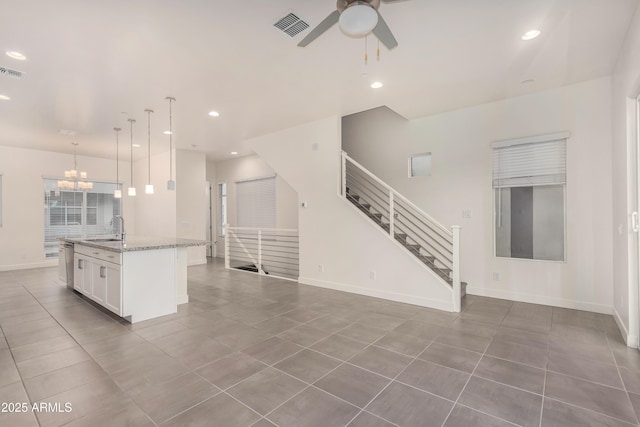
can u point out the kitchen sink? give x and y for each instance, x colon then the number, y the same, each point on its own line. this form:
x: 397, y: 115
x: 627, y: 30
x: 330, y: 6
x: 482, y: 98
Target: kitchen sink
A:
x: 103, y: 240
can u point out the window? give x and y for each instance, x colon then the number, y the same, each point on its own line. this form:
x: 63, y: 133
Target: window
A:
x: 77, y: 213
x: 420, y: 165
x: 222, y: 193
x: 256, y: 203
x: 529, y: 180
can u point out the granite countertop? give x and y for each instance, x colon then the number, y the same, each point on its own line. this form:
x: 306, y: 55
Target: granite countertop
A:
x: 136, y: 243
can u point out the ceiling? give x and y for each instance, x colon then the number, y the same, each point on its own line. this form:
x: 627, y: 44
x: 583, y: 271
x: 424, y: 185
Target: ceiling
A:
x: 91, y: 65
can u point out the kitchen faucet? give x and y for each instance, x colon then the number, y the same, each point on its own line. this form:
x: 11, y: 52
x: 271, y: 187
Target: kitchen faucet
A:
x: 122, y: 232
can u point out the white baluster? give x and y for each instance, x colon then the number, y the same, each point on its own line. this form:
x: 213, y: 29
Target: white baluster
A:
x: 260, y: 252
x: 457, y: 298
x: 227, y: 236
x: 344, y: 174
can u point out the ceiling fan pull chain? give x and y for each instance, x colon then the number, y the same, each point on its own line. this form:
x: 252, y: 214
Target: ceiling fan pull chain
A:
x: 378, y: 51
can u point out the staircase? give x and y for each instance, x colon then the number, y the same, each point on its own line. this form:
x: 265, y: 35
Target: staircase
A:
x: 429, y: 242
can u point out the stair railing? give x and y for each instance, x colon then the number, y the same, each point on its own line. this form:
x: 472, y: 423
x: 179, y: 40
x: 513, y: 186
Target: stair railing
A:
x: 426, y: 238
x: 266, y: 251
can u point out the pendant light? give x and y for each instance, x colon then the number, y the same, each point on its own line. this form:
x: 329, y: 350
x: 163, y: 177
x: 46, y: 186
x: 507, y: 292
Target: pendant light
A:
x: 149, y: 187
x: 171, y: 184
x: 132, y: 189
x: 75, y: 180
x: 117, y: 193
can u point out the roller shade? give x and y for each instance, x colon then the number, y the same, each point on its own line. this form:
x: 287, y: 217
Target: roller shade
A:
x: 256, y: 203
x: 520, y: 164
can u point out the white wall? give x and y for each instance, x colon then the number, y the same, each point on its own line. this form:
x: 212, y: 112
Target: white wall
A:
x: 333, y: 233
x: 155, y: 213
x: 249, y: 167
x: 179, y: 213
x: 21, y: 235
x: 460, y: 143
x: 626, y: 87
x: 191, y: 201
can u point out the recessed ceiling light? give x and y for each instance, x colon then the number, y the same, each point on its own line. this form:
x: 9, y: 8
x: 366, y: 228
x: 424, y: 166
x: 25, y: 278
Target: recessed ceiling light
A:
x: 4, y: 97
x: 68, y: 132
x: 376, y: 85
x: 527, y: 82
x: 530, y: 35
x: 214, y: 114
x: 16, y: 55
x: 233, y: 153
x: 168, y: 132
x: 136, y: 145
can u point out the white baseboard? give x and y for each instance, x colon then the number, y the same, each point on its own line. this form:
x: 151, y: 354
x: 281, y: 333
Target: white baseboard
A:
x: 198, y: 261
x: 631, y: 340
x: 392, y: 296
x: 183, y: 299
x: 43, y: 264
x: 540, y: 299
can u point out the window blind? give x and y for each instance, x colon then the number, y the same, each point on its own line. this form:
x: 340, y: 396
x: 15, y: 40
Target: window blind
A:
x: 530, y: 163
x: 256, y: 203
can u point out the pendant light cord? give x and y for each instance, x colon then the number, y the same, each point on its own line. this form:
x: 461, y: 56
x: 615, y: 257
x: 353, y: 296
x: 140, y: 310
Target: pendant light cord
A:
x: 170, y: 138
x: 149, y: 143
x: 131, y: 122
x: 117, y: 158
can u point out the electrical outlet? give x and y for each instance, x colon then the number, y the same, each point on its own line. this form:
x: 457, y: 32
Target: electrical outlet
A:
x: 321, y: 268
x: 496, y: 276
x: 372, y: 275
x: 466, y: 213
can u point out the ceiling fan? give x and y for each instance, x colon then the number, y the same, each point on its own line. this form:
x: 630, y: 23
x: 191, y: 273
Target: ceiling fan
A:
x: 357, y: 18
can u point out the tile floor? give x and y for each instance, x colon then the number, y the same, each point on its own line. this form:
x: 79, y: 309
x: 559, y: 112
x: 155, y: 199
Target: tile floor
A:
x: 257, y: 351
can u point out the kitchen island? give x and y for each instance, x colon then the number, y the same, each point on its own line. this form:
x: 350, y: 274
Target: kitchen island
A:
x: 139, y: 279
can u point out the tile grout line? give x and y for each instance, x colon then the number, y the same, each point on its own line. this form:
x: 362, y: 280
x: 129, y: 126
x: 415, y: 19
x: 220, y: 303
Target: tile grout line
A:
x: 544, y: 384
x: 467, y: 383
x: 415, y: 358
x: 103, y: 370
x: 347, y: 362
x: 624, y: 385
x: 80, y: 346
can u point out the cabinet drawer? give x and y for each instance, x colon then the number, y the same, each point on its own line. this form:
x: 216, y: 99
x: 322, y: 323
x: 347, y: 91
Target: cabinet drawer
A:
x: 109, y: 256
x: 101, y: 254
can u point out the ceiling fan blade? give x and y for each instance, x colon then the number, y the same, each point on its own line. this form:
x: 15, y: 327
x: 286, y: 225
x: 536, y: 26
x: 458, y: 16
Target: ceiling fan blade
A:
x: 327, y: 23
x: 384, y: 34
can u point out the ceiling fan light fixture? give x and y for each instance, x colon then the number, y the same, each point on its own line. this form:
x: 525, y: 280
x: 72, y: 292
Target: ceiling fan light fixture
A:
x: 16, y: 55
x: 358, y: 19
x: 530, y: 35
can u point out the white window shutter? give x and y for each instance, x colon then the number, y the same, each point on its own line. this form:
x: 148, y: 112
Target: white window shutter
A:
x: 256, y: 203
x: 528, y: 164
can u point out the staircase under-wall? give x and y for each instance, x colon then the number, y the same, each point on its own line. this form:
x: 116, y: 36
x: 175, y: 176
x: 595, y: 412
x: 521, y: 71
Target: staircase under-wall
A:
x: 436, y: 247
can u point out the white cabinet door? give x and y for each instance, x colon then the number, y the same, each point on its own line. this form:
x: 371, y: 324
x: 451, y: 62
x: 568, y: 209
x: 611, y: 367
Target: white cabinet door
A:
x: 114, y: 289
x: 79, y: 267
x: 87, y: 273
x: 99, y: 276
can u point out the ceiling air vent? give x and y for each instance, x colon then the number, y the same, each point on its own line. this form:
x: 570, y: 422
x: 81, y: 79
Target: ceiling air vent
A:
x: 291, y: 25
x: 8, y: 72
